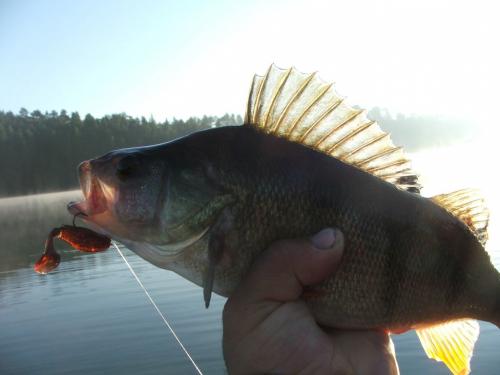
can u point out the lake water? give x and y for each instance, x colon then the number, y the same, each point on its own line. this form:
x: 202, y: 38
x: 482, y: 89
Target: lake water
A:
x: 91, y: 317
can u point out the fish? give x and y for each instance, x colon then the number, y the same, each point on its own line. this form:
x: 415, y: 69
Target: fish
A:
x: 82, y: 239
x: 206, y: 205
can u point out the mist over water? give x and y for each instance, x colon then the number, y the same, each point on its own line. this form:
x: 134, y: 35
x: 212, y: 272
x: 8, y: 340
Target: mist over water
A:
x: 26, y: 222
x: 90, y: 316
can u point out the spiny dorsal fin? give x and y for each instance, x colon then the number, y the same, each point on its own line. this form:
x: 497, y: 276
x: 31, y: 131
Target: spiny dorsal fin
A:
x: 303, y: 108
x: 469, y: 206
x: 451, y: 343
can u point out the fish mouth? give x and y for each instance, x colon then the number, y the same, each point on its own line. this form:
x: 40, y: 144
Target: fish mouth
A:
x: 95, y: 201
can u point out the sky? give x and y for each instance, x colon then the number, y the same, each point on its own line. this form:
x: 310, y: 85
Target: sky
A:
x: 189, y: 58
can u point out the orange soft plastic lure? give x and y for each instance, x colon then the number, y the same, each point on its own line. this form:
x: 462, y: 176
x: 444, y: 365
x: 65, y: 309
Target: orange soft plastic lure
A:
x: 81, y: 239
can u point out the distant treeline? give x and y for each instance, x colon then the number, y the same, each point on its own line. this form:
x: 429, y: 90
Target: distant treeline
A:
x: 39, y: 151
x: 417, y: 132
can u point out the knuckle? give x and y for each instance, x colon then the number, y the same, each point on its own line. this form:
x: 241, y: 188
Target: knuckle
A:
x: 279, y: 246
x: 285, y: 254
x: 284, y: 249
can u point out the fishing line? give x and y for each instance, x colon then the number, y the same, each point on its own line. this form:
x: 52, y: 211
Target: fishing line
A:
x: 156, y: 308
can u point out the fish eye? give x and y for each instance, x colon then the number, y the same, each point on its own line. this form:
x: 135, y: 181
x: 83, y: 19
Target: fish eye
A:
x: 126, y: 167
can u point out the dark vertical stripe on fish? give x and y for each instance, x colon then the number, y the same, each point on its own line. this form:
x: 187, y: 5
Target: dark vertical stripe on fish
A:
x: 458, y: 262
x: 161, y: 198
x: 395, y: 268
x: 458, y: 270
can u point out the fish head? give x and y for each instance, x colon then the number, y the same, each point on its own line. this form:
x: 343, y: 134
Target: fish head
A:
x: 157, y: 196
x: 120, y: 190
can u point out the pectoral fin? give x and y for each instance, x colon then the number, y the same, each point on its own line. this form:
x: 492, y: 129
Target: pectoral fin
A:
x: 215, y: 252
x: 208, y: 283
x: 451, y: 343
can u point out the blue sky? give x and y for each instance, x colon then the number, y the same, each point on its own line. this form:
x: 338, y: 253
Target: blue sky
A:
x: 96, y: 55
x: 182, y: 58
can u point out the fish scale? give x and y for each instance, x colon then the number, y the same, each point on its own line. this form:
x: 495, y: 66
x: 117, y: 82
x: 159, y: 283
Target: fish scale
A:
x: 349, y: 302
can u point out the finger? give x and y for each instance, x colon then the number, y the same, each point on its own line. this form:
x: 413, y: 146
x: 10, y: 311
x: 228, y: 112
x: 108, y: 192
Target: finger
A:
x: 281, y: 273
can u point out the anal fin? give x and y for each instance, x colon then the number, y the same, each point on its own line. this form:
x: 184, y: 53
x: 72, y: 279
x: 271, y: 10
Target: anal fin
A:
x: 452, y: 343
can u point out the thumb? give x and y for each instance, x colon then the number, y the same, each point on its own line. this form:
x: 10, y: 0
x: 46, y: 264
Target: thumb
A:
x: 283, y: 271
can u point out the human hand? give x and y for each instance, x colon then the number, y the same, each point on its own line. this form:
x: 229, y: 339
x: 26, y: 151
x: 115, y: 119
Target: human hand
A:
x: 268, y: 328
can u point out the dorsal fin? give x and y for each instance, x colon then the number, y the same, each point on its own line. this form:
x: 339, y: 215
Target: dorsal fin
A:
x: 469, y: 206
x: 303, y: 108
x: 451, y: 343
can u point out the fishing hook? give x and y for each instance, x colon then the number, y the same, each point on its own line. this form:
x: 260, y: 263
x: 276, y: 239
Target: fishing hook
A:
x: 78, y: 214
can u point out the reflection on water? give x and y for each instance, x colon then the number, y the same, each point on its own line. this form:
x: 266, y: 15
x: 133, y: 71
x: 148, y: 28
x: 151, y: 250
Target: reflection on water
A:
x: 90, y: 316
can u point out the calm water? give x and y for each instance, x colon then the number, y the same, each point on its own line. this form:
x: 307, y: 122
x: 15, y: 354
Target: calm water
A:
x: 90, y: 316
